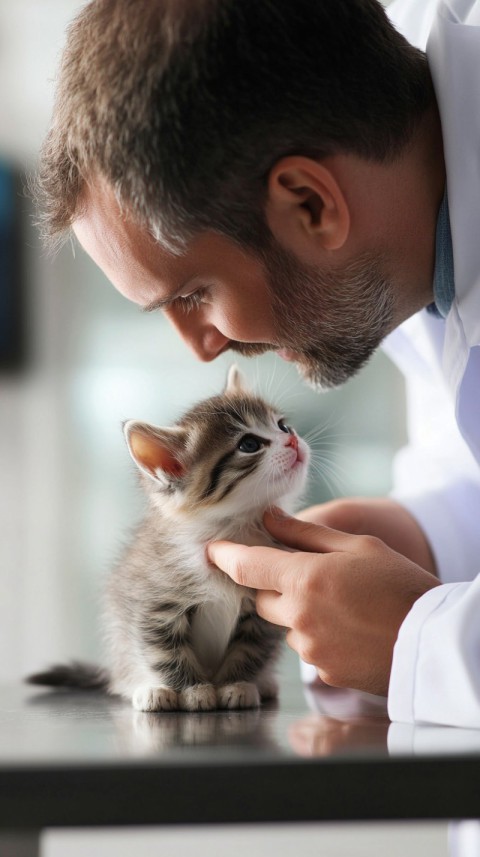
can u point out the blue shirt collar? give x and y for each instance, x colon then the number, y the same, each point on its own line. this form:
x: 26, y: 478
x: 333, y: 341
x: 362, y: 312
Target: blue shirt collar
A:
x: 443, y: 276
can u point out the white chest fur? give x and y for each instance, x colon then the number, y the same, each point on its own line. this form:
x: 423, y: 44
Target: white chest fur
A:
x: 212, y: 626
x: 216, y: 616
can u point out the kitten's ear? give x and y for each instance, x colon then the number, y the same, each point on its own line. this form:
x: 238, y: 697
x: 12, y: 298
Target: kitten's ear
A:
x: 236, y: 382
x: 156, y: 451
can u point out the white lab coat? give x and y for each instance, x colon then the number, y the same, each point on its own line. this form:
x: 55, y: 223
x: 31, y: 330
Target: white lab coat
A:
x: 436, y: 665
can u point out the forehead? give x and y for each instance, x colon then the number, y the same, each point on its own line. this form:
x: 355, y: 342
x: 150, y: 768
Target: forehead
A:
x: 139, y: 266
x: 222, y: 419
x: 136, y: 263
x: 231, y: 412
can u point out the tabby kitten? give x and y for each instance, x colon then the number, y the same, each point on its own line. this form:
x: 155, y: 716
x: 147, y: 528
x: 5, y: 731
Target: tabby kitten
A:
x: 181, y: 634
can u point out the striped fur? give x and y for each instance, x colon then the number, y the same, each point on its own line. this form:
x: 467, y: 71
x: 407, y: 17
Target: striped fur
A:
x: 182, y: 635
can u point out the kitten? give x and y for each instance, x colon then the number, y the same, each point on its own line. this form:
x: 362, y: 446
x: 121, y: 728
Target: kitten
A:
x: 181, y: 634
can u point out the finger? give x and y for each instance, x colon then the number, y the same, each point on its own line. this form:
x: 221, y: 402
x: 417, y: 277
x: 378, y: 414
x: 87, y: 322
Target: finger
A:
x: 256, y: 567
x: 312, y: 514
x: 272, y: 607
x: 303, y: 535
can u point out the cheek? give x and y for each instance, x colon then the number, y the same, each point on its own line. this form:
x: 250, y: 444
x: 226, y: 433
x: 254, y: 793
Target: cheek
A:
x: 246, y: 320
x: 237, y: 326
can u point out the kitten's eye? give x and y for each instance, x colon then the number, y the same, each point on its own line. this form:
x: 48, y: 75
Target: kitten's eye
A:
x: 249, y: 443
x: 283, y: 427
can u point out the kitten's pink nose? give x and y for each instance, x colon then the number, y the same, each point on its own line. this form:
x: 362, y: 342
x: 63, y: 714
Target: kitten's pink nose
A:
x: 292, y: 441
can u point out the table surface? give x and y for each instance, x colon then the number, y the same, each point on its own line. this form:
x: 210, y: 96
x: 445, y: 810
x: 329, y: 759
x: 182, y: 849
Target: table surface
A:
x: 82, y: 758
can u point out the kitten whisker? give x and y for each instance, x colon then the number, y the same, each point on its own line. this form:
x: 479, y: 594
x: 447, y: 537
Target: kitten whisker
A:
x: 335, y: 480
x: 327, y: 430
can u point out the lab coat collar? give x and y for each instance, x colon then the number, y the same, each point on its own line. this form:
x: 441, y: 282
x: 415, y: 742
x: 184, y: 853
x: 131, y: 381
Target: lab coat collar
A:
x: 413, y: 19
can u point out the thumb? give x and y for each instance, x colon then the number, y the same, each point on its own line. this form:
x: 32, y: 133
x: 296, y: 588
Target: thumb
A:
x: 302, y: 535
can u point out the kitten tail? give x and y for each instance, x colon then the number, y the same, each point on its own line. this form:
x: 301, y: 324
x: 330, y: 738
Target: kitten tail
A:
x: 74, y: 675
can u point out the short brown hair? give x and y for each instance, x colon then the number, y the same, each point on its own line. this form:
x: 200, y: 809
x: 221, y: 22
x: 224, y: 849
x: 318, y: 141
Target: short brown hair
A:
x: 185, y: 105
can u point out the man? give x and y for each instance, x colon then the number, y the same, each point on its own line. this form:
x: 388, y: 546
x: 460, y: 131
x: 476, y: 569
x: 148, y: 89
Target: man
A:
x: 272, y: 175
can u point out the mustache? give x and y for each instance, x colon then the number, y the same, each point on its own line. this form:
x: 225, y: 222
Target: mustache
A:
x: 250, y: 349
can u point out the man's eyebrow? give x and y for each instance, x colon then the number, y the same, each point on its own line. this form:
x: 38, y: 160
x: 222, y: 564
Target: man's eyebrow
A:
x: 163, y: 303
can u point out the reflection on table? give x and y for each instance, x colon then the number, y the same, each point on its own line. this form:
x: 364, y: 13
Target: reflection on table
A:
x: 351, y: 721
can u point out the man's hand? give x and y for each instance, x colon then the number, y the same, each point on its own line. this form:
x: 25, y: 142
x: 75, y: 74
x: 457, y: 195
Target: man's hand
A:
x: 318, y: 735
x: 342, y: 597
x: 381, y: 517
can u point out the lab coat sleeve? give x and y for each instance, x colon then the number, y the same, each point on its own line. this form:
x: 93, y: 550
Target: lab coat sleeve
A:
x: 449, y: 518
x: 435, y: 674
x: 436, y: 476
x: 438, y: 480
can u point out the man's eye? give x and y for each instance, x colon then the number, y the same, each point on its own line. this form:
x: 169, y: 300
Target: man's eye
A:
x: 249, y: 443
x: 192, y: 301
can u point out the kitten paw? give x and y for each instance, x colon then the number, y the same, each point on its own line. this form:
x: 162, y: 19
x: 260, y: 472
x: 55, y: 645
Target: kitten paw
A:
x: 199, y: 697
x: 147, y: 698
x: 240, y: 694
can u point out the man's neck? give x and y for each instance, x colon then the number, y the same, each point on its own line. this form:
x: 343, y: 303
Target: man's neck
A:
x: 424, y: 160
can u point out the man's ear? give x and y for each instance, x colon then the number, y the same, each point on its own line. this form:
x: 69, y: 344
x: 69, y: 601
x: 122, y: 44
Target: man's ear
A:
x: 306, y: 203
x: 156, y: 451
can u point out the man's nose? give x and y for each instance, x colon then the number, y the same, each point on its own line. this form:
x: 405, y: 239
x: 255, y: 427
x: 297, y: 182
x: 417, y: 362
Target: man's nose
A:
x: 203, y: 338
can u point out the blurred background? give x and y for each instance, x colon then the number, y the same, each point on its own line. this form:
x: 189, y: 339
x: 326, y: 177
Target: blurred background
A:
x: 76, y: 359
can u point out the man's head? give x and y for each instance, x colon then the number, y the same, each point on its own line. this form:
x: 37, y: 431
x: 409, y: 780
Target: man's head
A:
x: 218, y: 117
